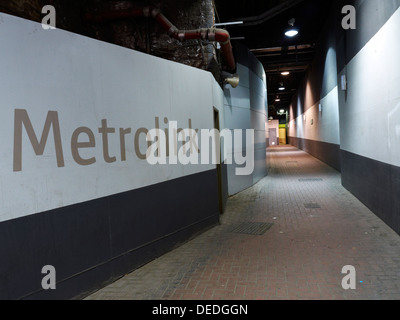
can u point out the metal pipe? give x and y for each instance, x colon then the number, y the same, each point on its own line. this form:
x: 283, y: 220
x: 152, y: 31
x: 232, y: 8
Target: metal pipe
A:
x: 212, y: 34
x: 267, y: 15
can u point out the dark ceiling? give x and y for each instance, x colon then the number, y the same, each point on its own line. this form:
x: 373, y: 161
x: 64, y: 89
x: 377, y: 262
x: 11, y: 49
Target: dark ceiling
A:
x: 262, y: 31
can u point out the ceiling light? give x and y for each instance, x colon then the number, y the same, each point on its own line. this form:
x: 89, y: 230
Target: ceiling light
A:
x: 232, y: 80
x: 292, y: 31
x: 282, y: 111
x: 285, y: 73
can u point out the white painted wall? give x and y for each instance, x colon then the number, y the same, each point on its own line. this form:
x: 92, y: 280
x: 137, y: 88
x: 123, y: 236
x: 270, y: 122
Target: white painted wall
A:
x: 317, y: 114
x: 320, y: 122
x: 370, y: 113
x: 85, y: 81
x: 245, y: 107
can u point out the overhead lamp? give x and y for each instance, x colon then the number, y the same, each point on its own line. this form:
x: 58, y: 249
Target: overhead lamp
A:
x: 292, y: 31
x: 233, y: 80
x: 282, y: 88
x: 277, y: 99
x: 282, y: 111
x: 285, y: 73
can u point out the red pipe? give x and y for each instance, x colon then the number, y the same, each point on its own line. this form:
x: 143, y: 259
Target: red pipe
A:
x: 211, y: 34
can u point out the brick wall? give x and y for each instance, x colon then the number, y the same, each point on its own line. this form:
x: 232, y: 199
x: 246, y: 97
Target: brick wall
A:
x: 141, y: 34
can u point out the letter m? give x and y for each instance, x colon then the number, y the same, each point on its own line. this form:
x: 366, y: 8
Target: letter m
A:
x: 21, y: 118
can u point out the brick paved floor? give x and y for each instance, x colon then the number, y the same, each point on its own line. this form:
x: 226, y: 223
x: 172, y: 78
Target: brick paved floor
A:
x: 300, y: 257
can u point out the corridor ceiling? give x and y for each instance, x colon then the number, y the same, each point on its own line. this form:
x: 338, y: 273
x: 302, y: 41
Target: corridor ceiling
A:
x: 262, y: 31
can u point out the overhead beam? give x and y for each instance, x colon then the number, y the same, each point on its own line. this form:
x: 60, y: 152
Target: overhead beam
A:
x: 272, y: 72
x: 269, y: 14
x: 279, y: 49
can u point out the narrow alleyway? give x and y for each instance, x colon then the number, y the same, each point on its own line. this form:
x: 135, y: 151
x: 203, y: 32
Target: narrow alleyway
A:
x: 287, y: 237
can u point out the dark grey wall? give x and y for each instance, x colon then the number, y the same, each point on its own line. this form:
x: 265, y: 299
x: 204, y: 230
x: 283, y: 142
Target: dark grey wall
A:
x: 376, y: 184
x: 92, y: 243
x: 326, y: 152
x: 369, y: 172
x: 371, y: 16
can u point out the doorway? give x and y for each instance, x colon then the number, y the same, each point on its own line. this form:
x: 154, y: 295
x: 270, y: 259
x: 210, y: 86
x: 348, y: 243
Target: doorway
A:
x: 219, y: 166
x: 282, y: 136
x: 273, y: 141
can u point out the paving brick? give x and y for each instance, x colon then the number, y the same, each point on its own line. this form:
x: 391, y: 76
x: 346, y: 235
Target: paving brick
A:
x: 299, y: 258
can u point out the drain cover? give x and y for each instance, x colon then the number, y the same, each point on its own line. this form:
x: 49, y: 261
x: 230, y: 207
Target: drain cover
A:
x: 310, y: 179
x: 254, y: 228
x: 292, y: 163
x: 312, y: 206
